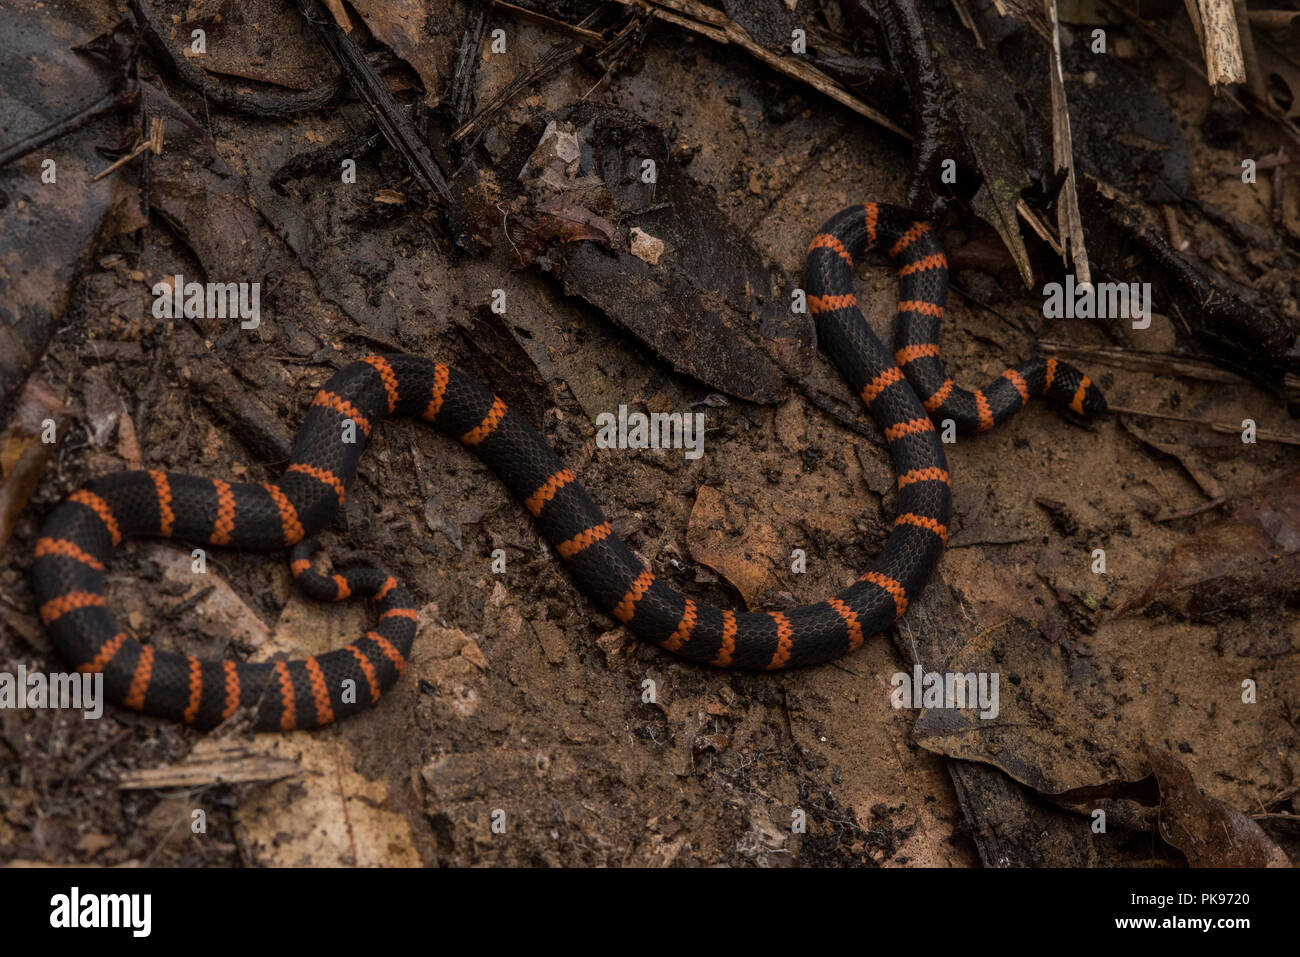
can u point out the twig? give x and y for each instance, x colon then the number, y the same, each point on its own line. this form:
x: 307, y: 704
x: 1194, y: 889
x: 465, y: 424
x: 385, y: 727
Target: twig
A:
x: 154, y: 143
x: 559, y: 55
x: 327, y: 155
x: 1273, y: 19
x: 849, y: 421
x: 588, y: 38
x: 393, y: 123
x: 717, y: 27
x: 1223, y: 60
x: 108, y: 103
x: 212, y: 761
x: 697, y: 11
x: 1158, y: 363
x: 1254, y: 75
x: 1039, y: 227
x: 184, y: 606
x: 1190, y: 511
x: 968, y: 22
x: 1069, y: 221
x: 1176, y: 237
x: 1278, y: 181
x: 94, y: 754
x: 1263, y: 435
x: 467, y: 60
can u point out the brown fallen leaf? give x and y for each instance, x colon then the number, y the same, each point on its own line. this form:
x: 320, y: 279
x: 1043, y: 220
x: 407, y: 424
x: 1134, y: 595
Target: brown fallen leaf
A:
x: 293, y: 61
x: 128, y: 443
x: 1209, y: 832
x: 1054, y: 728
x: 735, y: 545
x: 331, y: 816
x: 51, y: 230
x: 93, y: 843
x: 1253, y: 555
x: 22, y: 453
x: 403, y: 26
x: 557, y: 220
x: 220, y: 611
x: 714, y: 309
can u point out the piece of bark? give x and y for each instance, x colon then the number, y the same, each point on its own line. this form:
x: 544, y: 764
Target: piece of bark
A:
x: 1223, y: 59
x: 213, y: 761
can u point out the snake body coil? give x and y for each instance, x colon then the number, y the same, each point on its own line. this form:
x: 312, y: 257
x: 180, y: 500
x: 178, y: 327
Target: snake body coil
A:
x: 903, y: 393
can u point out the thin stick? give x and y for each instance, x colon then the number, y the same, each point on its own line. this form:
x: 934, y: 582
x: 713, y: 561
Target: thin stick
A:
x: 1069, y: 220
x: 586, y: 37
x: 398, y: 130
x: 1279, y: 192
x: 720, y: 29
x: 559, y: 55
x: 1223, y: 59
x: 1254, y: 75
x: 1272, y: 19
x: 1264, y: 435
x: 107, y: 103
x: 154, y: 143
x: 1176, y: 237
x: 1038, y: 226
x: 1189, y: 512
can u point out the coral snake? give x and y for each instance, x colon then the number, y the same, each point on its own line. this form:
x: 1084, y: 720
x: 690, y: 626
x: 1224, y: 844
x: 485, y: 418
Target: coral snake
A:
x: 904, y: 392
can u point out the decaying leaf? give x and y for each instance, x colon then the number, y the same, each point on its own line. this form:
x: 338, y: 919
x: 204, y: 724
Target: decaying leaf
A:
x: 404, y: 26
x: 710, y: 309
x: 1209, y: 832
x: 333, y: 814
x: 1053, y: 723
x: 737, y: 547
x: 24, y: 451
x: 1247, y: 560
x: 50, y: 201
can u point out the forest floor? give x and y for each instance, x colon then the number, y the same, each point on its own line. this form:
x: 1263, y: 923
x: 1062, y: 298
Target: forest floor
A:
x: 520, y: 697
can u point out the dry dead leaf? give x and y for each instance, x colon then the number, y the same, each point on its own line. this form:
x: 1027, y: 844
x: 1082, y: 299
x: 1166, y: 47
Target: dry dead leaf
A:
x: 1209, y: 832
x: 737, y: 546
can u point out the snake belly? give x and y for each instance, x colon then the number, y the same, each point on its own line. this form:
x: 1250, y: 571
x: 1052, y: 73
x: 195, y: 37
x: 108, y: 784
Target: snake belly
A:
x: 903, y: 392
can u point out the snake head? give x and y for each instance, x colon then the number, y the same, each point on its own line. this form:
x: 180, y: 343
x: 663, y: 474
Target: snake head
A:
x: 1094, y: 403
